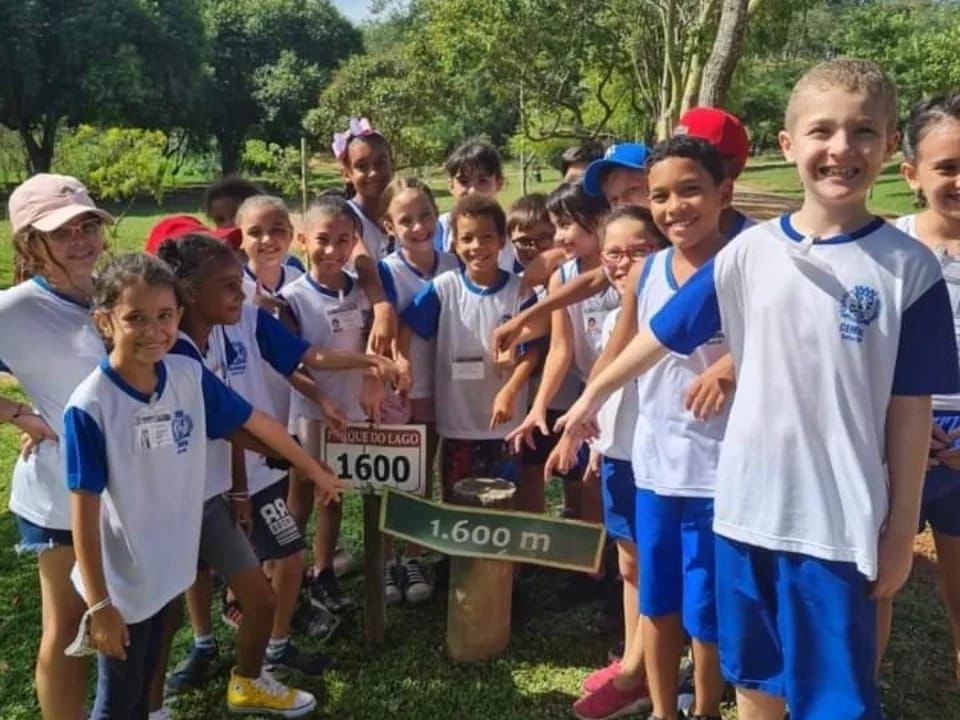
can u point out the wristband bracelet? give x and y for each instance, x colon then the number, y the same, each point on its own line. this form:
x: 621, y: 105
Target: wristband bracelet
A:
x: 97, y: 607
x: 21, y: 412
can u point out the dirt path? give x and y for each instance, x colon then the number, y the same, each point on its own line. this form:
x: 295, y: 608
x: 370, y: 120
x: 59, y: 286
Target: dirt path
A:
x: 763, y: 205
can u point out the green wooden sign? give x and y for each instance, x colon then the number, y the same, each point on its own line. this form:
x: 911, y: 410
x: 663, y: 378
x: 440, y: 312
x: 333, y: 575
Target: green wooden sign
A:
x: 496, y: 534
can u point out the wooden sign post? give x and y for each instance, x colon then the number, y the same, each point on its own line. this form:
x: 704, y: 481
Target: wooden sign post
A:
x: 371, y: 459
x: 478, y: 618
x: 481, y: 590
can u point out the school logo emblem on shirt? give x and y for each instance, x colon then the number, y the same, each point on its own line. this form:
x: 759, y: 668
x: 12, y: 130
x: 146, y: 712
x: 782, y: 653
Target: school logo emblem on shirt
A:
x: 238, y: 358
x: 858, y: 308
x: 182, y: 426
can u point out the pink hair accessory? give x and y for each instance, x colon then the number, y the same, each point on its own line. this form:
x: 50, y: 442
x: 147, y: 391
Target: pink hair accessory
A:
x: 359, y: 127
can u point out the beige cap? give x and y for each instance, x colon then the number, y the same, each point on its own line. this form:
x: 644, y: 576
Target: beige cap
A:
x: 47, y: 202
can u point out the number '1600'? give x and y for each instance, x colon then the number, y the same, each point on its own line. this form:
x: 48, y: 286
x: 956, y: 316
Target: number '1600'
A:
x: 378, y: 468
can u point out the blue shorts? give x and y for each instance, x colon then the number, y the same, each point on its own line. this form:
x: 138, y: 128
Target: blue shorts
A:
x: 619, y: 499
x: 798, y: 627
x: 941, y: 487
x: 675, y: 553
x: 36, y: 539
x: 942, y: 514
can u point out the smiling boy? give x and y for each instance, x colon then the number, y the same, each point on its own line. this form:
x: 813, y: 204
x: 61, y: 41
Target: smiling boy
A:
x: 840, y: 327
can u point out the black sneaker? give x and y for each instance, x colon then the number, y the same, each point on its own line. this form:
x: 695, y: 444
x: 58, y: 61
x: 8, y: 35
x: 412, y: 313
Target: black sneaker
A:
x: 195, y: 671
x: 293, y: 658
x: 416, y: 587
x: 325, y: 592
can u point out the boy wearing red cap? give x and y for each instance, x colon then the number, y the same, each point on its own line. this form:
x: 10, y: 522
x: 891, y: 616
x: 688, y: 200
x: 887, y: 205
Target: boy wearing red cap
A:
x: 725, y: 132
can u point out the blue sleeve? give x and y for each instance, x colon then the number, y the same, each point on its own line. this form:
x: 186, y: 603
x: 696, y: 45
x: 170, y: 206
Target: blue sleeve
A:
x: 294, y: 262
x: 692, y: 316
x: 225, y: 410
x: 927, y: 351
x: 3, y: 367
x: 182, y: 347
x: 86, y: 451
x: 439, y: 236
x: 279, y: 347
x: 389, y: 286
x: 423, y: 312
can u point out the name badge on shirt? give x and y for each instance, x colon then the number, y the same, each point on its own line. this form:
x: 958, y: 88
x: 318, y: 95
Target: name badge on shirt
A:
x: 153, y: 429
x: 468, y: 369
x: 593, y: 325
x: 347, y: 317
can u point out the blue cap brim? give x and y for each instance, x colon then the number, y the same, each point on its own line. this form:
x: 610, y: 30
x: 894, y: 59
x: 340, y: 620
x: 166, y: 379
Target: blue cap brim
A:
x: 592, y: 184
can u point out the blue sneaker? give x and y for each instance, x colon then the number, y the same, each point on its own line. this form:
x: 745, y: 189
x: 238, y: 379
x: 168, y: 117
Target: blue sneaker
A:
x: 195, y: 671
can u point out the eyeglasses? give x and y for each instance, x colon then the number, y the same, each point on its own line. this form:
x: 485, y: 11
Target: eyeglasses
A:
x: 68, y: 233
x: 529, y: 242
x: 615, y: 255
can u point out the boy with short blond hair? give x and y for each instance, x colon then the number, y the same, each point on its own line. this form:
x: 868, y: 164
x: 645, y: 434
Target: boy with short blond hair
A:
x: 841, y: 329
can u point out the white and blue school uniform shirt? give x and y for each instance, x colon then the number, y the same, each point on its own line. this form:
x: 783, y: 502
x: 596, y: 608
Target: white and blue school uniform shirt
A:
x: 377, y: 242
x: 218, y: 478
x: 674, y: 453
x: 50, y: 345
x: 587, y: 318
x: 950, y: 267
x: 332, y: 320
x: 462, y: 317
x: 276, y: 384
x: 443, y: 242
x: 401, y: 282
x: 258, y: 347
x: 822, y: 333
x: 618, y: 415
x: 144, y: 455
x: 940, y: 480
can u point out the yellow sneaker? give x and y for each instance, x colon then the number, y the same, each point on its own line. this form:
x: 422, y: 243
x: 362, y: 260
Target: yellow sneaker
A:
x: 266, y: 696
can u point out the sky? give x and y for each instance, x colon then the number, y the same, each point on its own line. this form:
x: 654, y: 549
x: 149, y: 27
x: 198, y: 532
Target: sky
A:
x: 354, y: 10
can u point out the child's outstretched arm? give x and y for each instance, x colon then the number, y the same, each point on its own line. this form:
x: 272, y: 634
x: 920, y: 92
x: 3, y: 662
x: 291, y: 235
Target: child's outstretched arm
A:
x: 333, y: 413
x: 555, y: 368
x: 503, y: 403
x: 318, y: 359
x: 538, y: 271
x: 908, y: 446
x: 275, y: 436
x: 643, y: 352
x: 531, y: 323
x: 383, y: 334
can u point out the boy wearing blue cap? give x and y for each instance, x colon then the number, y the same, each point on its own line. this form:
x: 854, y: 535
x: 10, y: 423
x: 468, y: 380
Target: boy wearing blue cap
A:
x: 620, y: 175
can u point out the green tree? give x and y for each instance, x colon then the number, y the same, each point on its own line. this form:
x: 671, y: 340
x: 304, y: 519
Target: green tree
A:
x: 133, y: 62
x: 118, y: 164
x: 267, y: 62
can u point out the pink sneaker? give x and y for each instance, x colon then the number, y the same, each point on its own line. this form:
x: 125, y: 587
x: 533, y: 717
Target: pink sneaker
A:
x: 611, y: 702
x: 598, y: 678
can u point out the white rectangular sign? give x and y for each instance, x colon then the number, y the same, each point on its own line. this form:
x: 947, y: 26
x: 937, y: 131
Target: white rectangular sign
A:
x: 371, y: 458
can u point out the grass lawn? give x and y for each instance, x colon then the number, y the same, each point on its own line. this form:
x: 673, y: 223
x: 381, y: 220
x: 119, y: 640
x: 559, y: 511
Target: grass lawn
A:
x: 410, y: 677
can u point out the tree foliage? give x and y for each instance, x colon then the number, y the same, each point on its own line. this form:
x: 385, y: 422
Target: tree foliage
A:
x: 267, y: 62
x: 103, y: 61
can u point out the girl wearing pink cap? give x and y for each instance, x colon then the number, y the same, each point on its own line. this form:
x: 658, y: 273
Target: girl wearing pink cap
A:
x: 50, y: 345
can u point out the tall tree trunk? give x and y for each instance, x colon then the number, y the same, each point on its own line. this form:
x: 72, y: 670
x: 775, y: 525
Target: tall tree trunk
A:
x: 40, y: 152
x: 727, y: 47
x: 694, y: 79
x: 231, y: 147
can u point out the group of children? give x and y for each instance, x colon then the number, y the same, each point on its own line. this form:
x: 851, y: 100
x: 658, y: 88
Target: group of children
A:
x: 746, y: 407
